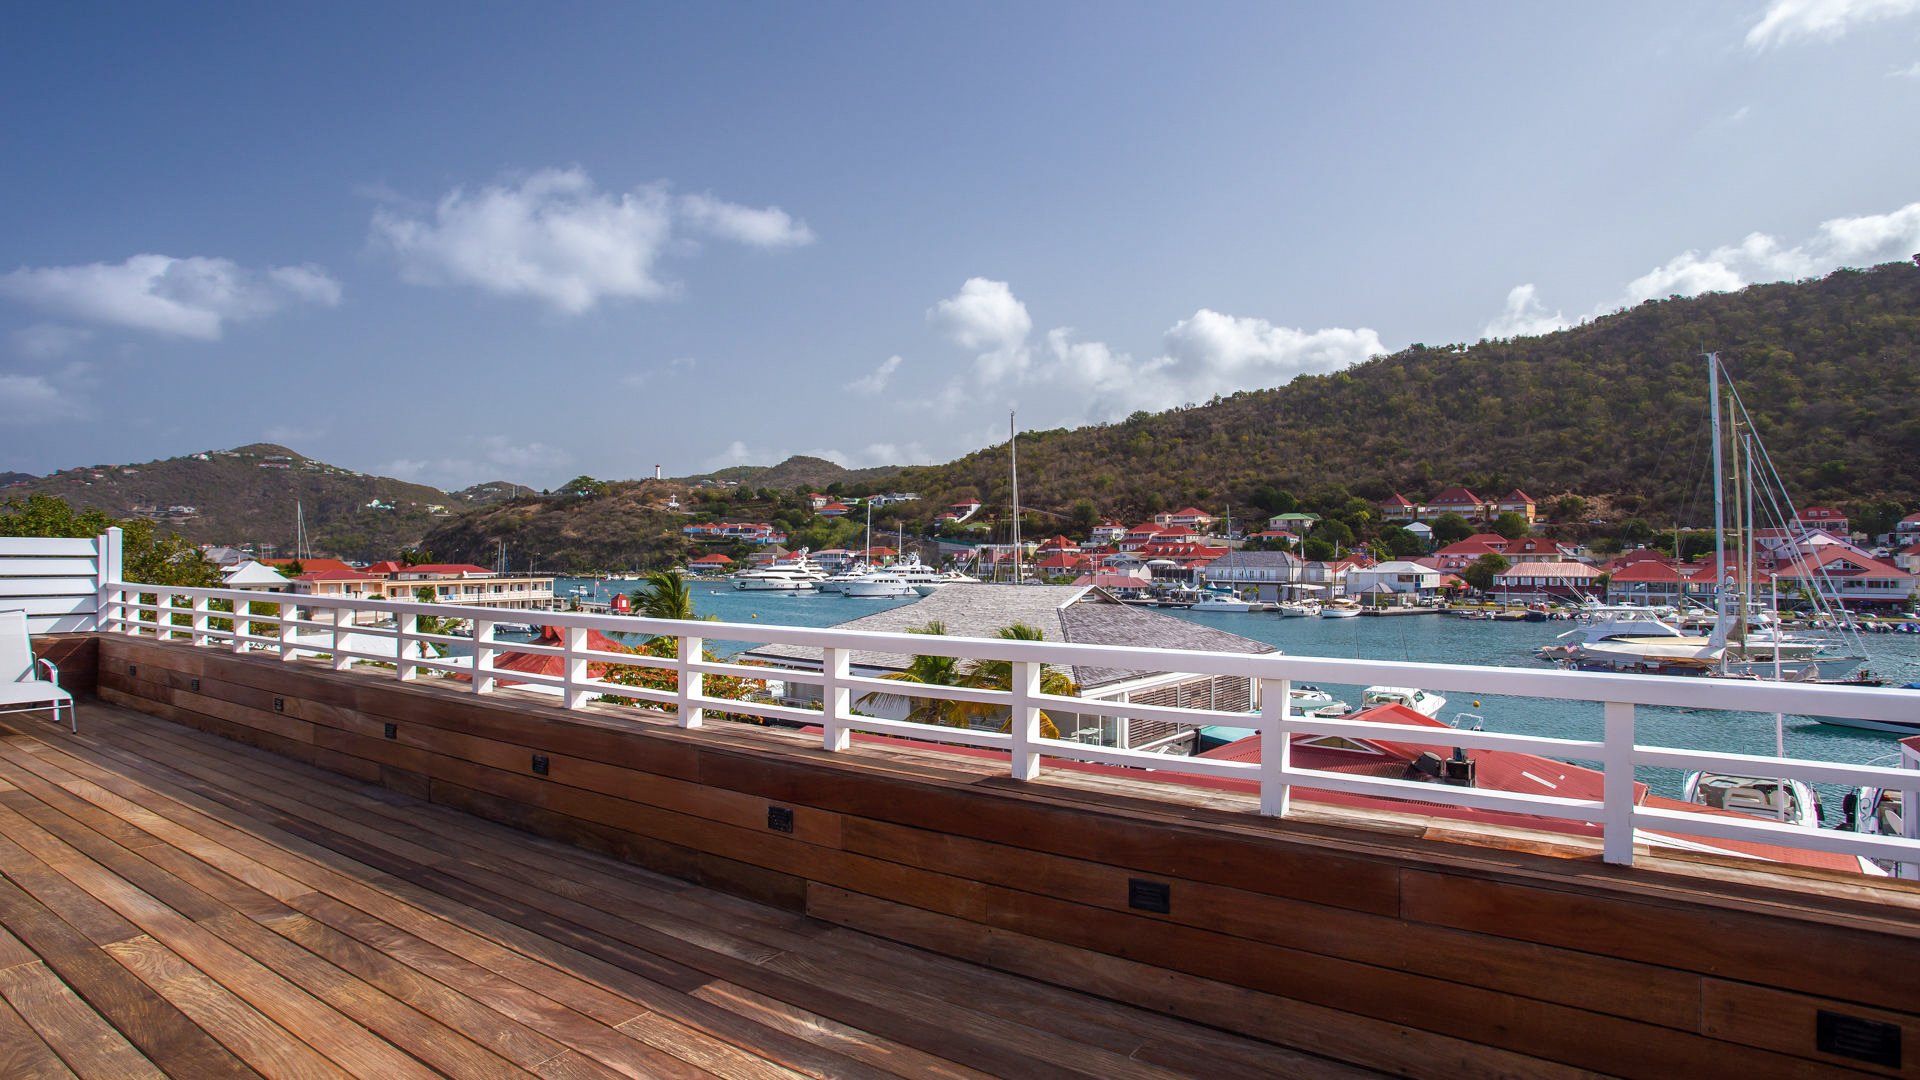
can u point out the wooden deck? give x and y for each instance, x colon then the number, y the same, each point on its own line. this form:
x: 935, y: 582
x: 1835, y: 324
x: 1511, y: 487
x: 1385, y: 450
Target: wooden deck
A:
x: 177, y: 904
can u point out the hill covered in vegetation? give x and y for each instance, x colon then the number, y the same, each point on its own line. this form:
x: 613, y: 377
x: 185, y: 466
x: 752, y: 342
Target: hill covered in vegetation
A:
x: 249, y: 495
x: 799, y: 471
x: 1615, y: 410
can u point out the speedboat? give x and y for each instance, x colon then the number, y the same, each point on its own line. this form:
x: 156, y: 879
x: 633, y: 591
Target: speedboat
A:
x: 1775, y: 799
x: 1213, y: 601
x: 1424, y: 702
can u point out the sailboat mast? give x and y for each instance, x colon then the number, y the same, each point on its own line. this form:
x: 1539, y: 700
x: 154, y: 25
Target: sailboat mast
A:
x: 1719, y: 500
x: 1753, y: 569
x: 1013, y: 460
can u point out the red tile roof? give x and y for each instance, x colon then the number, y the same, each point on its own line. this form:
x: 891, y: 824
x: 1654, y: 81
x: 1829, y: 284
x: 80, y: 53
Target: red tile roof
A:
x: 1454, y: 495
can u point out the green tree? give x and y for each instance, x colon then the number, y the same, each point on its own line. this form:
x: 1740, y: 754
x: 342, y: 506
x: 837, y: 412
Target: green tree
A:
x: 1400, y: 543
x: 1315, y: 549
x: 927, y: 671
x: 998, y: 675
x: 1511, y: 525
x: 146, y: 555
x: 584, y: 486
x: 1450, y: 529
x: 1481, y: 573
x: 416, y: 555
x: 1082, y: 518
x: 664, y: 596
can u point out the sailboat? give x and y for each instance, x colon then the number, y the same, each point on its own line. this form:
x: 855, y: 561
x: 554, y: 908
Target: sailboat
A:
x: 1745, y: 642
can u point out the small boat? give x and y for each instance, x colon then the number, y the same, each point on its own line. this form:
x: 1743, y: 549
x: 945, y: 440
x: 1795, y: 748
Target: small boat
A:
x: 1299, y: 609
x: 1791, y: 801
x: 1421, y: 701
x: 1212, y: 601
x: 1343, y: 608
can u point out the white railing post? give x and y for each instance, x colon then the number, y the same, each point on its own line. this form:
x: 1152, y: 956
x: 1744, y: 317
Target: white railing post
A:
x: 405, y: 647
x: 1276, y: 747
x: 1026, y: 719
x: 108, y: 605
x: 836, y: 699
x: 287, y: 613
x: 240, y: 613
x: 340, y: 662
x: 200, y: 609
x: 1617, y: 784
x: 483, y: 654
x: 693, y: 684
x: 575, y: 665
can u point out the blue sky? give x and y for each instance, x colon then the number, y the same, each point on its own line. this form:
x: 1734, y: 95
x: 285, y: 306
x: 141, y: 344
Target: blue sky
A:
x: 468, y: 242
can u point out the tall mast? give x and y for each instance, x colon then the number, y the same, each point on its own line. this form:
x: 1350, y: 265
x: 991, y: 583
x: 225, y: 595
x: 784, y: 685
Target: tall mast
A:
x: 1013, y: 460
x: 1752, y: 578
x: 1719, y: 502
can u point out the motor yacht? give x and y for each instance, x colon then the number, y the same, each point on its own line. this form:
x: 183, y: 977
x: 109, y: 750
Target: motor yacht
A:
x: 795, y: 574
x: 878, y: 585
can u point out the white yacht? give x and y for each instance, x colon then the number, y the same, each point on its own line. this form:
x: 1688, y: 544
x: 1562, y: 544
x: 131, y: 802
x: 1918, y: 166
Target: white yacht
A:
x: 1343, y: 608
x: 1299, y: 609
x: 925, y: 579
x: 878, y: 585
x: 795, y: 574
x: 1213, y: 601
x: 1628, y: 638
x: 839, y: 582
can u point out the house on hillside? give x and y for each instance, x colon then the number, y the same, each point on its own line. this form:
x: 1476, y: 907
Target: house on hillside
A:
x: 1513, y: 502
x: 1823, y: 517
x: 1457, y: 500
x: 1189, y: 518
x: 1399, y: 508
x: 1064, y: 613
x: 1109, y: 532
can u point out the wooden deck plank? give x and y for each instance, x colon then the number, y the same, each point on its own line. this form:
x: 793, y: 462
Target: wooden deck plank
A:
x: 82, y: 1038
x: 23, y: 1053
x: 305, y: 924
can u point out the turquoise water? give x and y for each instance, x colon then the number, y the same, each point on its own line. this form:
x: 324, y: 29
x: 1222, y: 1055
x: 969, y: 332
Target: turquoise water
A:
x: 1426, y: 639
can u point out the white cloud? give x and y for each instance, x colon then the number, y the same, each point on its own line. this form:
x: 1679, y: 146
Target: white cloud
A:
x: 985, y: 317
x: 1864, y: 240
x: 491, y: 458
x: 1911, y: 71
x: 39, y: 399
x: 1208, y: 354
x: 1524, y: 316
x: 45, y: 341
x: 874, y: 382
x: 1788, y: 20
x: 770, y: 227
x: 1849, y: 241
x: 556, y: 237
x: 181, y: 297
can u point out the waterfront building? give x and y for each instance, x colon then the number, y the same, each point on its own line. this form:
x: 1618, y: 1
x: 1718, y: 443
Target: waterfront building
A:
x: 1397, y: 582
x: 1538, y: 582
x: 1270, y: 574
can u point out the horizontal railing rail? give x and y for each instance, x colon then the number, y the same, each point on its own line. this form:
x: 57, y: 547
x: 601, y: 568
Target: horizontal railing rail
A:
x: 315, y: 627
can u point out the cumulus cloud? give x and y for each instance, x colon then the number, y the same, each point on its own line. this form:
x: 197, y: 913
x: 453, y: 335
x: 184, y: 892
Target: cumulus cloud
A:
x: 45, y: 341
x: 1207, y: 354
x: 1789, y: 20
x: 875, y: 382
x: 190, y: 297
x: 1524, y: 316
x: 557, y: 237
x: 769, y: 227
x: 985, y: 317
x: 1911, y: 71
x: 1864, y: 240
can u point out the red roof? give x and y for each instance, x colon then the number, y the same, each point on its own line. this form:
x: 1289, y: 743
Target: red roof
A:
x: 1516, y: 495
x: 556, y: 666
x: 1397, y: 500
x: 319, y: 569
x: 386, y: 566
x: 715, y: 559
x: 1455, y: 495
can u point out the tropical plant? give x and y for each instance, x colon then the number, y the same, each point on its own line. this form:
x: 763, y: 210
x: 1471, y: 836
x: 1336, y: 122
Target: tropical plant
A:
x: 998, y: 675
x: 926, y: 671
x: 664, y: 596
x: 1484, y: 569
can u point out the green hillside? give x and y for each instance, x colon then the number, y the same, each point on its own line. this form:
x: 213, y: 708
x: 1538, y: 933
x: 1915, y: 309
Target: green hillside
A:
x: 1614, y: 408
x: 248, y: 495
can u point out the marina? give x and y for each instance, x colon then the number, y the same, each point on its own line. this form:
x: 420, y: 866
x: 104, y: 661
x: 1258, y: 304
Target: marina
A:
x: 1895, y: 660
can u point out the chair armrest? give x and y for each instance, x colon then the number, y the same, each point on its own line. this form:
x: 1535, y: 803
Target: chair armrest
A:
x: 53, y: 673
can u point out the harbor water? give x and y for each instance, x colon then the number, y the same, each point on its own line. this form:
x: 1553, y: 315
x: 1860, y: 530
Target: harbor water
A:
x: 1893, y: 658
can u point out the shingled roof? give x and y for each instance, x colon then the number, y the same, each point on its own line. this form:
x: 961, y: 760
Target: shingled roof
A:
x: 1076, y: 614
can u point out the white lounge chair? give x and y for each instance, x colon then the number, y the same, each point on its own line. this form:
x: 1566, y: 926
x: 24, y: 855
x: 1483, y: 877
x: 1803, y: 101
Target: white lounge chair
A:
x: 19, y: 685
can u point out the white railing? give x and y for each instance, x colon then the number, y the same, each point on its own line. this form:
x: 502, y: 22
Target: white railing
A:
x: 324, y: 628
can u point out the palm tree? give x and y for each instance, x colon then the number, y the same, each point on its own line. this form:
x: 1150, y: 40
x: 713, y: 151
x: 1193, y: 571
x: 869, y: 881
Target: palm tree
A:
x: 927, y: 671
x: 998, y: 675
x: 665, y: 596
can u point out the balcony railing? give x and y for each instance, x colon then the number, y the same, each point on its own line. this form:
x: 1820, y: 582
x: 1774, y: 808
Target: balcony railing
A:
x: 325, y: 627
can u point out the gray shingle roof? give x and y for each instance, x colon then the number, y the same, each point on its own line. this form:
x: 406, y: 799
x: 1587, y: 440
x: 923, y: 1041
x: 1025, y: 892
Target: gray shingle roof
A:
x: 1061, y: 612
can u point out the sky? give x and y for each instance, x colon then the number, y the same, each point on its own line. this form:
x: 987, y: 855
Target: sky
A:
x: 456, y: 243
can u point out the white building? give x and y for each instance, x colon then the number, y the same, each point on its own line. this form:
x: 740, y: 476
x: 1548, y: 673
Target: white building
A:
x: 1396, y: 583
